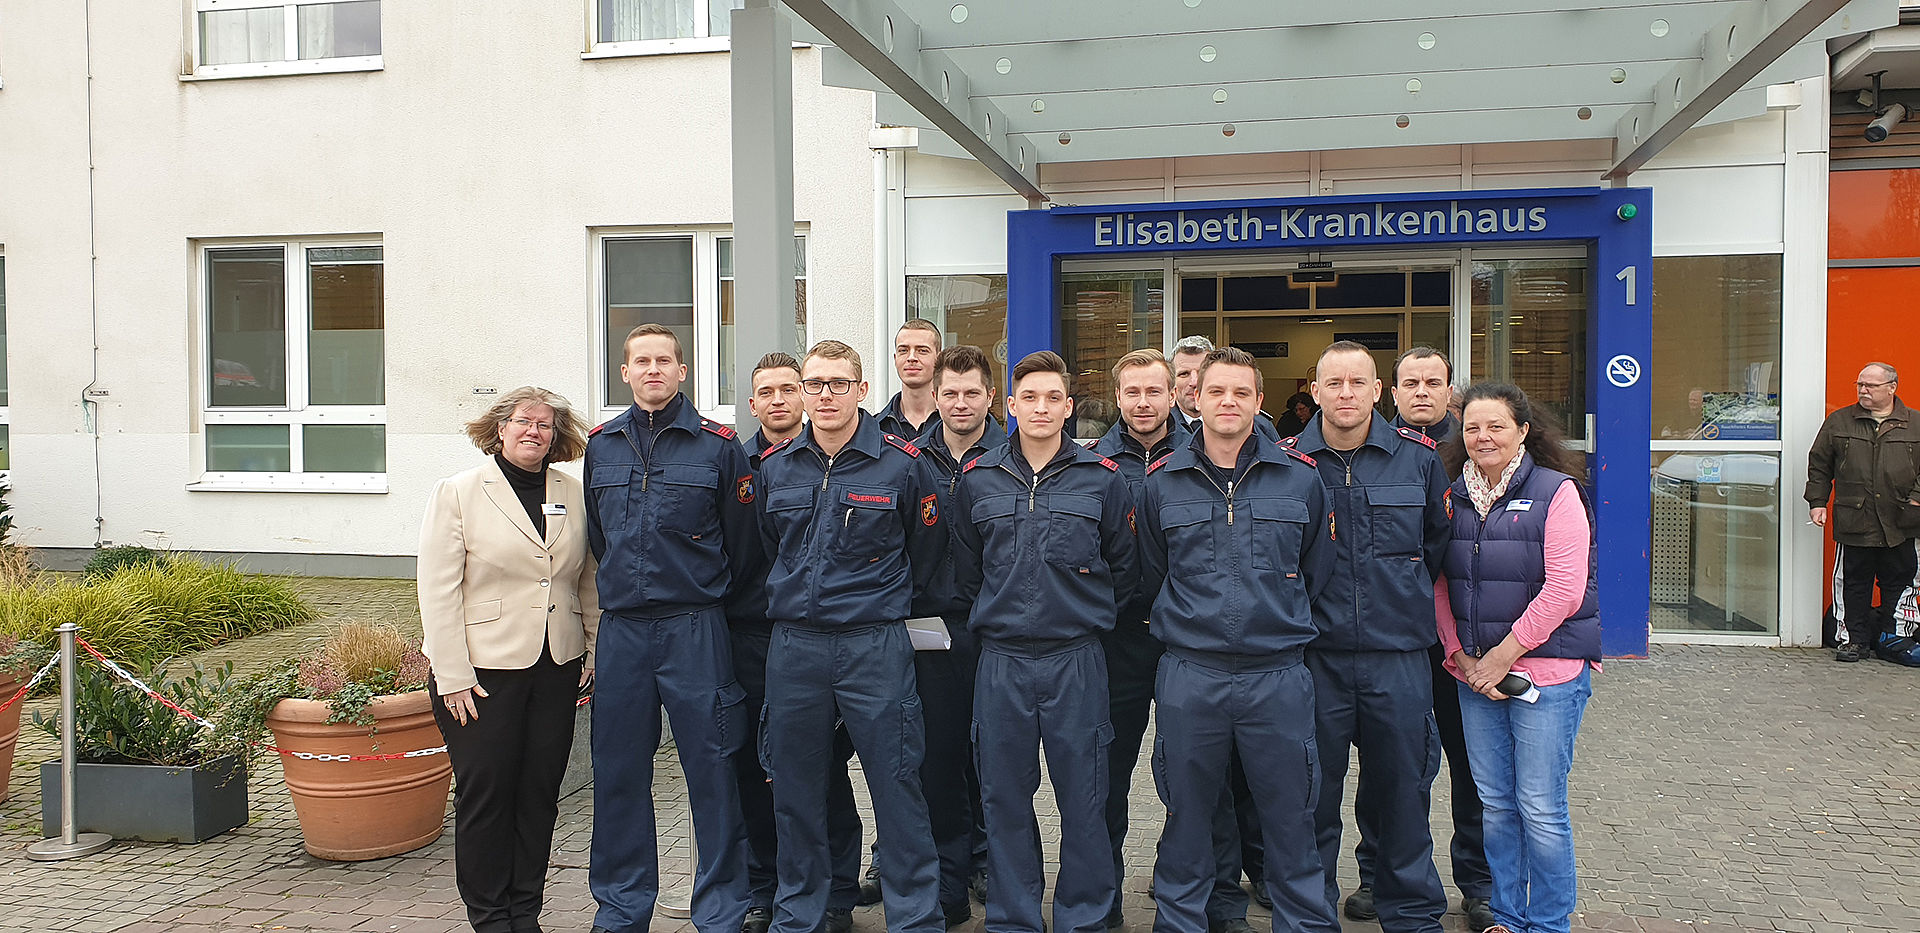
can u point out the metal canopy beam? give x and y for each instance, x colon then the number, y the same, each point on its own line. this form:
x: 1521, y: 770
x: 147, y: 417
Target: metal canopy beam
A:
x: 1733, y: 53
x: 886, y: 42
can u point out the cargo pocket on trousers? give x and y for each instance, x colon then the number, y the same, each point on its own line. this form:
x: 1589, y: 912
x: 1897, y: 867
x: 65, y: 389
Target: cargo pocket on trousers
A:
x: 764, y: 748
x: 1312, y: 749
x: 1157, y: 763
x: 1102, y: 746
x: 1433, y: 751
x: 729, y: 719
x: 913, y: 738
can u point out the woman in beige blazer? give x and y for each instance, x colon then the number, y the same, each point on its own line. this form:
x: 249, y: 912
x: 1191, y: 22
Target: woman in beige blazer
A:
x: 508, y: 604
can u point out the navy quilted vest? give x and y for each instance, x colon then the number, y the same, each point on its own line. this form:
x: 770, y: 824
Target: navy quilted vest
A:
x: 1496, y: 567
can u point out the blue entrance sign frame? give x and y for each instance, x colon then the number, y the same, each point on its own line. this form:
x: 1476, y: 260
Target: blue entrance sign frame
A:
x: 1614, y: 223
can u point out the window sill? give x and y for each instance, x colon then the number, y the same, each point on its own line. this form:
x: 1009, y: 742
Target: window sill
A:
x: 644, y: 47
x: 282, y: 69
x: 351, y: 483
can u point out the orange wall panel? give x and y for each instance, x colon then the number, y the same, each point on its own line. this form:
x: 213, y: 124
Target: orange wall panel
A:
x: 1873, y: 214
x: 1872, y: 314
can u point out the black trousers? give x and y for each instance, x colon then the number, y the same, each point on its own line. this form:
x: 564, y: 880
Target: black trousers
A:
x: 507, y: 767
x: 1859, y: 568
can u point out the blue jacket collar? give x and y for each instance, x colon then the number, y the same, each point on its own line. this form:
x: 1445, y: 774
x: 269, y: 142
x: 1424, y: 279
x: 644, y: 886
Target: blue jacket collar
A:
x: 1189, y: 455
x: 935, y: 438
x: 1070, y: 452
x: 1439, y: 432
x: 1119, y: 439
x: 1380, y: 434
x: 866, y: 437
x: 685, y: 416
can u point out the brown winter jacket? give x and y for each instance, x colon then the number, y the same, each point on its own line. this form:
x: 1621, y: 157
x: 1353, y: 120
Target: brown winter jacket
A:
x: 1872, y: 473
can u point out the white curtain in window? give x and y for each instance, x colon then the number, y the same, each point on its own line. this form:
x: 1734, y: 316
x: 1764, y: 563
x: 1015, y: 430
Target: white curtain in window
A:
x: 629, y: 20
x: 234, y: 36
x: 340, y: 30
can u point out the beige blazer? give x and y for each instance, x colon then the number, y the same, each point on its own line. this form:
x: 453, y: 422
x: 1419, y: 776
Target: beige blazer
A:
x: 491, y: 590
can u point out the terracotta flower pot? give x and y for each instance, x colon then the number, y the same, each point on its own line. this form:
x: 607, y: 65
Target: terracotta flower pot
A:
x: 351, y: 811
x: 9, y: 727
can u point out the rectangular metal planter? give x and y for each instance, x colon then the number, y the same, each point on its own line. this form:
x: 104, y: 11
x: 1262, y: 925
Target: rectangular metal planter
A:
x: 154, y: 803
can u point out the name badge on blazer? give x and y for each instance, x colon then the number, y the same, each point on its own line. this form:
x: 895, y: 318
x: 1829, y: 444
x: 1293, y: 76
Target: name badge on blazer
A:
x: 1520, y: 505
x: 552, y: 508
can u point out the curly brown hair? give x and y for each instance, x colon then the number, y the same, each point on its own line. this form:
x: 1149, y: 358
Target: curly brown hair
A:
x: 569, y: 432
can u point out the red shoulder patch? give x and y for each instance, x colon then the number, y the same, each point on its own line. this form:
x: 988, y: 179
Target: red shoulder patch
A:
x: 1155, y: 465
x: 1297, y: 455
x: 771, y: 450
x: 720, y: 429
x: 970, y: 463
x: 596, y: 429
x: 910, y: 450
x: 1110, y: 465
x: 1412, y: 435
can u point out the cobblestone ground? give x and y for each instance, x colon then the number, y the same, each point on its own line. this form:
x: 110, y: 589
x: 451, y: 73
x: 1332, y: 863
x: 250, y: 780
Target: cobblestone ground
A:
x: 1716, y: 788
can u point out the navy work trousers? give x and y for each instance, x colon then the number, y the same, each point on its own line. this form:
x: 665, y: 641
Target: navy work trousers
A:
x: 683, y: 663
x: 947, y: 775
x: 1027, y: 698
x: 1381, y: 702
x: 756, y: 793
x: 1133, y: 660
x: 1469, y: 844
x: 1265, y: 706
x: 866, y: 672
x: 1236, y: 846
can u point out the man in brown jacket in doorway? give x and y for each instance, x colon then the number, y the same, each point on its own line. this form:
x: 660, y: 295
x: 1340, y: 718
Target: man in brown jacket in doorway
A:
x: 1866, y: 458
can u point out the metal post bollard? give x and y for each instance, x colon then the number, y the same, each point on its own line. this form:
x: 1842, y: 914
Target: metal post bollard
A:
x: 71, y: 844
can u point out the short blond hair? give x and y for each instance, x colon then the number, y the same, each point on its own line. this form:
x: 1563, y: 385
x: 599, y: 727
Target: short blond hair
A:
x: 569, y: 434
x: 1143, y: 357
x: 835, y: 350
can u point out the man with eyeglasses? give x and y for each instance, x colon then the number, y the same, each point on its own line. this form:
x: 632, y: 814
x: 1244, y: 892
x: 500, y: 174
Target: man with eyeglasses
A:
x: 1866, y: 461
x: 852, y: 519
x: 671, y: 517
x: 775, y: 402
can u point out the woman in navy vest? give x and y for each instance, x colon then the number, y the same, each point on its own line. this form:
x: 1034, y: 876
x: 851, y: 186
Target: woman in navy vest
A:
x: 1517, y: 595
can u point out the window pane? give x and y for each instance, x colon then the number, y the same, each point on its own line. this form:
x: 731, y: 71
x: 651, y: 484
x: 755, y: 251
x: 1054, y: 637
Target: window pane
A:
x: 720, y: 16
x: 233, y: 36
x: 1716, y: 540
x: 1363, y: 290
x: 1716, y: 347
x: 1263, y: 293
x: 3, y: 334
x: 630, y: 20
x: 340, y: 30
x: 648, y: 280
x: 1104, y: 316
x: 248, y: 448
x: 723, y: 248
x: 347, y: 346
x: 247, y: 324
x: 6, y: 448
x: 1529, y: 321
x: 344, y: 448
x: 971, y: 310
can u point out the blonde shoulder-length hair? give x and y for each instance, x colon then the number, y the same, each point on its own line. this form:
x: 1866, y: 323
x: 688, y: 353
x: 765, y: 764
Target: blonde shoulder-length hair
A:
x: 569, y: 434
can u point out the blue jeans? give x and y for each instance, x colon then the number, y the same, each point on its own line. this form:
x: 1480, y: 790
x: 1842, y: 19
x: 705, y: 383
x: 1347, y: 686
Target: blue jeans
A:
x: 1521, y: 755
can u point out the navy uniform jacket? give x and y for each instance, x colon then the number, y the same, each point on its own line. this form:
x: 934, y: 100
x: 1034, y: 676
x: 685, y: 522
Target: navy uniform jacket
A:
x: 670, y: 511
x: 942, y: 595
x: 896, y: 424
x: 1050, y: 555
x: 853, y: 536
x: 1391, y: 525
x: 1235, y: 566
x: 1122, y: 448
x: 1262, y: 423
x: 747, y: 605
x: 1438, y: 432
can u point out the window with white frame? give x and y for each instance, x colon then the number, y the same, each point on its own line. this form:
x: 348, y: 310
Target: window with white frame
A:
x: 684, y: 280
x: 640, y: 26
x: 248, y: 38
x: 295, y: 365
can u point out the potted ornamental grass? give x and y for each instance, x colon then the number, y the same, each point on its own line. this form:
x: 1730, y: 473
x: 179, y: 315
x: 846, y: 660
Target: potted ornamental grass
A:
x: 19, y: 659
x: 343, y: 720
x: 145, y: 768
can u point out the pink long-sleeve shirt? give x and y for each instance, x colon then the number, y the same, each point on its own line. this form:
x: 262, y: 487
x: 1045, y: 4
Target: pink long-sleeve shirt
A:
x: 1566, y: 545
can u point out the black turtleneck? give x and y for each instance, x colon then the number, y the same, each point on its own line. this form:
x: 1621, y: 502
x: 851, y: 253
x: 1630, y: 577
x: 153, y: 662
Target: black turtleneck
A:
x: 530, y: 487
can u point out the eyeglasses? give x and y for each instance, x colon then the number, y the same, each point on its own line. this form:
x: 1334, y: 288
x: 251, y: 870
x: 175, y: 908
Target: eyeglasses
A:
x: 835, y: 386
x: 545, y: 427
x: 1872, y: 385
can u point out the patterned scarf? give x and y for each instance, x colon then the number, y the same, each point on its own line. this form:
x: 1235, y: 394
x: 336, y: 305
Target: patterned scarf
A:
x: 1483, y: 494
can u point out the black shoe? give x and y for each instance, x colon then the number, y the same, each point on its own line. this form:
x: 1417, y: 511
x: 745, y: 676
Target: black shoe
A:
x: 977, y: 885
x: 1360, y: 904
x: 869, y: 887
x: 1115, y: 917
x: 1848, y: 652
x: 1231, y: 926
x: 839, y: 920
x: 1260, y: 896
x: 957, y: 914
x: 1479, y: 911
x: 758, y: 920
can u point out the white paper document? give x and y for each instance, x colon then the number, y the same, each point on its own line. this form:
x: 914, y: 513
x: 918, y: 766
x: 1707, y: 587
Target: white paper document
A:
x: 929, y: 633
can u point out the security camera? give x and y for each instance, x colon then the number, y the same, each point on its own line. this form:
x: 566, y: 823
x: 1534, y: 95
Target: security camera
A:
x: 1884, y: 123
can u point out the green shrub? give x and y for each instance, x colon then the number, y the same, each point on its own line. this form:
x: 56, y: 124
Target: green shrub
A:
x: 116, y: 723
x: 349, y: 669
x: 108, y: 561
x: 20, y: 657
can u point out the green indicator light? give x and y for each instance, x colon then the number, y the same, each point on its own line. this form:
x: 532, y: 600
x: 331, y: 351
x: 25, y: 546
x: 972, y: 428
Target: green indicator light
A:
x: 1627, y: 212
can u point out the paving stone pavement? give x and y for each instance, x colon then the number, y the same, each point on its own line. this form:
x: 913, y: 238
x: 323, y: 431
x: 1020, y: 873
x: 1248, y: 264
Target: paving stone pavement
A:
x: 1715, y: 789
